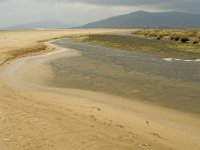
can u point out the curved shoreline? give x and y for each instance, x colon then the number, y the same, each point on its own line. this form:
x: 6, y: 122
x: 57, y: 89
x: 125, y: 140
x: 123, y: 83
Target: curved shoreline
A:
x: 15, y: 67
x: 124, y: 124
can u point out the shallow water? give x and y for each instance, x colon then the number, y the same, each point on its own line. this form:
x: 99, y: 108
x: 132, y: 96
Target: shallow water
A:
x: 174, y: 84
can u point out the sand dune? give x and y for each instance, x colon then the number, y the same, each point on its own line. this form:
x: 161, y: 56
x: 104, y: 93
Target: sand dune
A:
x: 34, y: 116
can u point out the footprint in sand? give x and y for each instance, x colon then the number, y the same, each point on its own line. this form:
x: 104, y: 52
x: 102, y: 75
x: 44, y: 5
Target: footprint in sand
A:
x: 99, y: 109
x: 93, y: 117
x: 68, y: 110
x: 144, y: 145
x: 156, y: 135
x: 120, y: 126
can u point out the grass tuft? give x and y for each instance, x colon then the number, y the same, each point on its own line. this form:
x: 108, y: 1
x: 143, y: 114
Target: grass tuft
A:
x: 179, y: 35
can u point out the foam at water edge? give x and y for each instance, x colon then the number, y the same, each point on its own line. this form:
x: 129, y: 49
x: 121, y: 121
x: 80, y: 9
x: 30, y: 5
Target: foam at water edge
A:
x: 174, y: 59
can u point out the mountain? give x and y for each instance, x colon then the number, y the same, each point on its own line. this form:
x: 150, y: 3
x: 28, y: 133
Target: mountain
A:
x: 142, y: 19
x: 49, y: 24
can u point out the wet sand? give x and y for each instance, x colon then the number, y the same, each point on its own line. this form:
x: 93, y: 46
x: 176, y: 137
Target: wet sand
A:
x: 36, y: 116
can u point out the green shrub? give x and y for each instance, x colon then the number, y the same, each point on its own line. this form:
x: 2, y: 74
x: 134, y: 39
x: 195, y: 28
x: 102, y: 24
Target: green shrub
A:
x: 184, y: 40
x: 158, y: 38
x: 195, y: 42
x: 172, y: 38
x: 177, y: 38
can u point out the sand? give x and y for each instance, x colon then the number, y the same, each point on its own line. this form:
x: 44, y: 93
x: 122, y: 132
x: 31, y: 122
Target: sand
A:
x: 33, y: 116
x: 16, y: 43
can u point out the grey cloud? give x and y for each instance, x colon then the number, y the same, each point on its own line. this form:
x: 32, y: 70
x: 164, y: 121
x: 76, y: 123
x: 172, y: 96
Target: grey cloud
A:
x: 117, y: 2
x: 190, y: 6
x: 25, y: 11
x: 132, y: 2
x: 179, y: 5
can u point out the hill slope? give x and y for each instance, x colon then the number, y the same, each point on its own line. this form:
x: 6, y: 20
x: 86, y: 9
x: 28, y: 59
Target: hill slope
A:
x: 50, y: 24
x: 142, y: 19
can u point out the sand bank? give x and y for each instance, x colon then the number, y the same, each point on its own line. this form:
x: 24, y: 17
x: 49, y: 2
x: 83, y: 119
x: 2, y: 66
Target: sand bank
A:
x: 20, y: 43
x: 34, y: 116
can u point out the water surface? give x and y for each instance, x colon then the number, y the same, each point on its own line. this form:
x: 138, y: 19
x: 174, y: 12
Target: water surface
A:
x: 134, y: 75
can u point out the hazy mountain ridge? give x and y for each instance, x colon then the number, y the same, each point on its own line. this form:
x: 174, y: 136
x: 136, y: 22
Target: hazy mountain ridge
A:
x: 142, y: 19
x: 49, y: 24
x: 138, y: 19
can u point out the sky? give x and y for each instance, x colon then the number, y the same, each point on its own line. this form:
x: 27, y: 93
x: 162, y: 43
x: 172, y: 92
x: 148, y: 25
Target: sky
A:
x: 79, y: 12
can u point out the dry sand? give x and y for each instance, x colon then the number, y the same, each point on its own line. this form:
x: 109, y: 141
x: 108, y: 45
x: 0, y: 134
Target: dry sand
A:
x: 17, y: 43
x: 36, y: 117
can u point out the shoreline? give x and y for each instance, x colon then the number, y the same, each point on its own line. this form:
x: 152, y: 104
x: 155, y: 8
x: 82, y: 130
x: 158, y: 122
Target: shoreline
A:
x: 39, y: 117
x: 20, y: 66
x: 15, y: 44
x: 116, y: 75
x: 150, y: 126
x: 160, y: 48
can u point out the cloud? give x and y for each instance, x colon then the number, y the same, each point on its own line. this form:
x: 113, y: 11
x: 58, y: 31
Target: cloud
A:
x: 79, y: 12
x: 162, y: 5
x: 115, y: 2
x: 190, y: 6
x: 130, y: 2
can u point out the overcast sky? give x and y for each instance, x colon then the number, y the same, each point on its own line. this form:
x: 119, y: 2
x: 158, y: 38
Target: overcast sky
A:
x: 78, y: 12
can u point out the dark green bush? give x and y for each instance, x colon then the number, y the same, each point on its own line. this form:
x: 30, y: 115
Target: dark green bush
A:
x: 184, y: 40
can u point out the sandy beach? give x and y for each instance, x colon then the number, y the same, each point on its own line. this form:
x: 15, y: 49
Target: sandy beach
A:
x: 34, y: 116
